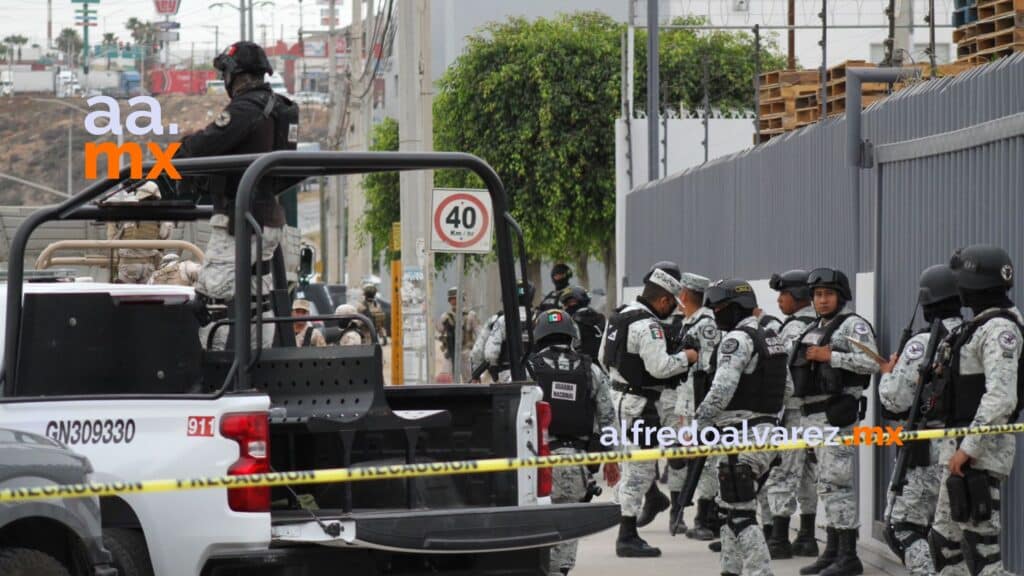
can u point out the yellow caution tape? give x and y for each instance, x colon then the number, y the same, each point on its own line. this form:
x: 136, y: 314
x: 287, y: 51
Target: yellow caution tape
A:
x: 390, y: 472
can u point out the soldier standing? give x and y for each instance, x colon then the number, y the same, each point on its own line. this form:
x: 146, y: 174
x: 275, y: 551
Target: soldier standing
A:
x: 830, y: 375
x: 635, y: 355
x: 980, y: 367
x: 372, y: 309
x: 911, y: 510
x: 748, y: 383
x: 470, y: 328
x: 560, y: 276
x: 792, y: 482
x: 581, y: 406
x: 136, y: 265
x: 496, y: 349
x: 576, y: 301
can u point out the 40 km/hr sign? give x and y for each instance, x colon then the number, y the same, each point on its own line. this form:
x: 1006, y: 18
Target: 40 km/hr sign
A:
x: 461, y: 221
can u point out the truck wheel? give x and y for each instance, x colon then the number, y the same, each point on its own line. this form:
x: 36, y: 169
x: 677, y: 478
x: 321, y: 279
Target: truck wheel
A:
x: 27, y: 562
x: 128, y: 549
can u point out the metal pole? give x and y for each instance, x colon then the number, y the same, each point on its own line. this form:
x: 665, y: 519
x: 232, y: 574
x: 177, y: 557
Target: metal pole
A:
x: 890, y: 40
x: 252, y: 32
x: 757, y: 79
x: 653, y: 81
x: 241, y: 19
x: 707, y: 102
x: 824, y: 59
x: 931, y: 40
x: 70, y: 122
x: 460, y: 261
x: 790, y: 21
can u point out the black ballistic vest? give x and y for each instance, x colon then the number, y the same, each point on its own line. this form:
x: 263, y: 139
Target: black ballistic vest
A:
x: 818, y: 378
x: 567, y: 390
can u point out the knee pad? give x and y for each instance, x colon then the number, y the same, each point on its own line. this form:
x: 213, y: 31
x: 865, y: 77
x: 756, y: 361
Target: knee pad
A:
x: 938, y: 545
x: 975, y: 560
x: 736, y: 482
x: 899, y: 545
x: 740, y: 520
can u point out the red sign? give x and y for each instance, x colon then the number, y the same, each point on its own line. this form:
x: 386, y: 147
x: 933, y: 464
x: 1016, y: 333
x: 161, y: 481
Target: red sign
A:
x: 200, y: 425
x: 167, y: 6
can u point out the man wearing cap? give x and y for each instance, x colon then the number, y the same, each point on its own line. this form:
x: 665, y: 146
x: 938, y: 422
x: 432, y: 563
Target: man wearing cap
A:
x: 793, y: 480
x: 136, y: 265
x: 470, y: 328
x: 306, y: 334
x: 830, y: 375
x: 255, y: 121
x: 635, y: 355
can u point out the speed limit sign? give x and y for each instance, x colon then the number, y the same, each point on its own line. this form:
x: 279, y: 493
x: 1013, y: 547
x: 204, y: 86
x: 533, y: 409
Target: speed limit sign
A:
x: 461, y: 221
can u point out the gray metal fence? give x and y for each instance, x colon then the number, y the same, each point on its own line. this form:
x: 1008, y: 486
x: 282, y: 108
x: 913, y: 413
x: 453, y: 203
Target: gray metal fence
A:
x: 794, y: 202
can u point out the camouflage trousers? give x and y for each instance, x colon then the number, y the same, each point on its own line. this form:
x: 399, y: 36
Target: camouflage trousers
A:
x: 835, y: 477
x: 134, y: 273
x: 792, y: 481
x: 985, y: 535
x: 217, y: 275
x: 568, y: 485
x: 636, y: 476
x: 669, y: 417
x: 747, y: 551
x: 916, y: 505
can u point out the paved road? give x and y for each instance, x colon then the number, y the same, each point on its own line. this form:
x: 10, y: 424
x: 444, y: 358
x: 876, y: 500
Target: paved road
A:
x: 683, y: 556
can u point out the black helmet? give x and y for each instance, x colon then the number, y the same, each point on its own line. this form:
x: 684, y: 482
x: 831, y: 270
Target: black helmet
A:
x: 525, y: 292
x: 731, y: 291
x: 792, y: 281
x: 982, y: 267
x: 563, y: 270
x: 937, y: 283
x: 830, y: 278
x: 239, y: 57
x: 577, y: 293
x: 370, y: 291
x: 555, y: 323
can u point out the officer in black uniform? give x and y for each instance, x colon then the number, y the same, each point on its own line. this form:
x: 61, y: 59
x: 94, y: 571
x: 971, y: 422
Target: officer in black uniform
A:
x: 560, y: 276
x: 576, y: 301
x: 255, y: 121
x: 577, y: 391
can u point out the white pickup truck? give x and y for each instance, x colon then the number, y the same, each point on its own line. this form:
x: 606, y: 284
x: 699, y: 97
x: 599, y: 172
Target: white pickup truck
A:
x: 117, y: 373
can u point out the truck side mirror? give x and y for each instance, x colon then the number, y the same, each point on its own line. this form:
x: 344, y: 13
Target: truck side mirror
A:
x: 305, y: 263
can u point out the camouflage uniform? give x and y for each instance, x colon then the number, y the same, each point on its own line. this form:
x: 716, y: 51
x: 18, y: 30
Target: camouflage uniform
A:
x: 176, y: 272
x: 476, y: 354
x: 470, y: 329
x: 495, y: 344
x: 372, y: 309
x: 792, y: 481
x: 136, y: 265
x: 993, y: 350
x: 916, y: 504
x: 744, y: 549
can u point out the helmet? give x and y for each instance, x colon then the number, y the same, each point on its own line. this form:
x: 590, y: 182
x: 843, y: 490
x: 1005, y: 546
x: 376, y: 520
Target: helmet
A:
x: 552, y: 323
x: 793, y: 281
x: 453, y: 292
x: 147, y: 190
x: 731, y: 291
x: 830, y: 278
x: 563, y: 269
x: 242, y: 57
x: 937, y: 283
x: 981, y: 267
x: 345, y: 310
x: 525, y: 292
x: 370, y: 291
x: 302, y: 304
x: 577, y: 293
x: 667, y: 275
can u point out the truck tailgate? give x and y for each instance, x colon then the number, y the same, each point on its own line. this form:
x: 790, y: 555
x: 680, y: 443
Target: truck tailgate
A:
x: 458, y: 531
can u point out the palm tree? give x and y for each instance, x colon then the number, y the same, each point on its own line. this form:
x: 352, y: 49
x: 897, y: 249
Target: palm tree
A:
x: 71, y: 44
x: 19, y: 41
x: 3, y: 52
x: 110, y: 43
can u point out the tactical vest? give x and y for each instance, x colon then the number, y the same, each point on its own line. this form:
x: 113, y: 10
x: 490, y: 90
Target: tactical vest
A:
x: 802, y: 319
x: 763, y: 390
x: 961, y: 393
x: 591, y: 326
x: 147, y: 230
x: 503, y: 360
x: 819, y: 378
x: 567, y: 390
x: 701, y: 379
x: 551, y: 300
x: 169, y: 275
x: 767, y: 319
x: 629, y: 364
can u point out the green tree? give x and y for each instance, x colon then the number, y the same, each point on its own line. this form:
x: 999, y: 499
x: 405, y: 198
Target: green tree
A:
x: 109, y: 44
x: 16, y: 40
x: 381, y: 189
x: 71, y: 44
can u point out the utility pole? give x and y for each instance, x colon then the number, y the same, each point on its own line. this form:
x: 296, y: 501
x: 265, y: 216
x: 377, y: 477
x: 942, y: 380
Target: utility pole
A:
x: 653, y: 80
x: 355, y: 140
x: 252, y: 8
x: 791, y: 20
x: 302, y: 51
x: 263, y: 35
x: 331, y: 247
x: 49, y: 24
x: 241, y: 19
x: 904, y: 36
x: 415, y: 134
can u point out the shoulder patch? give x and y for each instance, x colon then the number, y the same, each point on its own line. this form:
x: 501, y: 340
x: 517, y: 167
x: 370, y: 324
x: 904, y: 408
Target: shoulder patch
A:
x: 223, y: 119
x: 709, y: 332
x: 914, y: 350
x: 862, y: 328
x: 730, y: 345
x: 657, y: 332
x: 1008, y: 340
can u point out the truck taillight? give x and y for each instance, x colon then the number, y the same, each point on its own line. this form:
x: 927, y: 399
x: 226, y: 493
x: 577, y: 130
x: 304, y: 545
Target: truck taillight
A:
x: 543, y: 474
x: 252, y: 432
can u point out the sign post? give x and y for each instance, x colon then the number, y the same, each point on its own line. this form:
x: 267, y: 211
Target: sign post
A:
x: 461, y: 223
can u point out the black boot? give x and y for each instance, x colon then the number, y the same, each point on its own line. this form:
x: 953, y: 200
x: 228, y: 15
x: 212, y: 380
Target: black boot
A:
x: 779, y: 547
x: 847, y: 563
x: 715, y: 546
x: 767, y: 529
x: 676, y: 524
x: 805, y: 543
x: 630, y: 544
x: 655, y: 502
x: 828, y: 556
x: 702, y: 524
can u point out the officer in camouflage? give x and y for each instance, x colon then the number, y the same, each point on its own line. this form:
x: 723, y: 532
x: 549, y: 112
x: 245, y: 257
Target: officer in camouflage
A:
x: 372, y: 309
x: 910, y: 512
x: 577, y: 391
x: 635, y: 355
x: 978, y: 367
x: 176, y: 272
x: 561, y: 274
x: 495, y: 349
x: 793, y: 480
x: 136, y: 265
x: 830, y: 375
x: 748, y: 382
x: 576, y: 301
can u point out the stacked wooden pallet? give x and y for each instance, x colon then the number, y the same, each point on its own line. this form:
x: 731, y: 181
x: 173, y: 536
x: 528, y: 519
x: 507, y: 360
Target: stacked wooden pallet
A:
x: 988, y: 29
x: 779, y: 92
x: 871, y: 92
